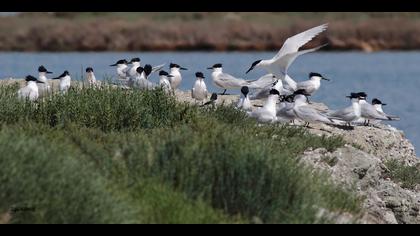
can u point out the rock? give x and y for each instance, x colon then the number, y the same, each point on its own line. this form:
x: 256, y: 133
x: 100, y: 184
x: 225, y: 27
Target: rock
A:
x: 5, y: 218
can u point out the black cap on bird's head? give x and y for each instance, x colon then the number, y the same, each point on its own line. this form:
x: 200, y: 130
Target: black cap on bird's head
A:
x: 173, y: 65
x: 245, y: 90
x: 147, y: 69
x: 362, y: 95
x: 301, y: 92
x: 31, y: 78
x: 376, y: 101
x: 164, y: 73
x: 120, y: 62
x: 290, y: 98
x: 43, y: 69
x: 218, y: 65
x: 353, y: 95
x: 314, y: 74
x: 140, y: 69
x: 136, y: 59
x: 274, y: 92
x: 89, y: 69
x: 255, y: 63
x: 199, y: 75
x: 65, y: 73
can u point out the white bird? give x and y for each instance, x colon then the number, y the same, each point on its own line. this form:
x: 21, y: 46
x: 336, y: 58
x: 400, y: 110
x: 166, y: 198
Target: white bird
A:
x: 30, y: 91
x: 279, y: 64
x: 348, y: 114
x: 43, y: 88
x: 244, y: 103
x: 199, y: 91
x: 135, y: 62
x: 176, y: 75
x: 368, y: 111
x: 65, y: 81
x: 267, y: 113
x: 122, y: 69
x: 312, y: 85
x: 164, y: 81
x: 90, y: 77
x: 285, y: 108
x: 378, y: 106
x: 224, y: 80
x: 307, y: 113
x: 141, y: 80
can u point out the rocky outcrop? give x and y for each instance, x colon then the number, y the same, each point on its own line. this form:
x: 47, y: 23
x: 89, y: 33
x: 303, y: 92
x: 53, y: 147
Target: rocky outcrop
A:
x: 360, y: 166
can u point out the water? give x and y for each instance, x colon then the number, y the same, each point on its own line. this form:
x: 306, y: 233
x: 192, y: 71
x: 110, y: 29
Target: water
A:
x: 393, y: 77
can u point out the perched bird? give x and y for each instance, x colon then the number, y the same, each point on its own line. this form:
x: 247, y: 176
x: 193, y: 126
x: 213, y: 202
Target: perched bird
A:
x: 65, y: 81
x: 90, y: 76
x: 348, y: 114
x: 122, y: 69
x: 267, y: 113
x: 279, y: 64
x: 199, y: 90
x: 141, y: 80
x: 313, y: 84
x: 30, y: 91
x: 305, y: 112
x: 164, y: 81
x: 378, y: 106
x: 176, y: 75
x: 285, y: 108
x: 244, y: 103
x: 43, y: 88
x: 224, y: 80
x: 368, y: 111
x: 132, y: 72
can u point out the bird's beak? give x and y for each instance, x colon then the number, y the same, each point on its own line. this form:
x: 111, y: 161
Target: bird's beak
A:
x: 114, y: 64
x: 129, y: 62
x: 169, y: 76
x: 348, y: 96
x: 182, y: 68
x: 325, y: 78
x: 209, y: 68
x: 49, y: 72
x: 383, y: 104
x: 39, y: 82
x: 249, y: 70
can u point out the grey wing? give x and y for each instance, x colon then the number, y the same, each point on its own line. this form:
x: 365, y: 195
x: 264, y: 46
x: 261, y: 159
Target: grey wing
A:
x: 230, y: 81
x: 262, y: 82
x: 370, y: 112
x: 311, y: 114
x: 158, y: 68
x: 341, y: 113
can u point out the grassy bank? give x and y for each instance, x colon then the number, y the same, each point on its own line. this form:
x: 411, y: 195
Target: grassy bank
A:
x: 141, y: 157
x: 131, y: 31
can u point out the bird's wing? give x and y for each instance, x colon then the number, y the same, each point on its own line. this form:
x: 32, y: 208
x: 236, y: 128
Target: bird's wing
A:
x: 292, y: 44
x: 370, y: 112
x: 340, y: 113
x: 158, y: 68
x: 304, y: 85
x: 309, y: 113
x: 287, y: 59
x: 230, y: 81
x: 262, y: 82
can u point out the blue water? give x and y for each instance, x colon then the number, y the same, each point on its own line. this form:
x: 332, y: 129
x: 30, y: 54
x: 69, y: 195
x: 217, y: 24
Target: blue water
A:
x: 393, y: 77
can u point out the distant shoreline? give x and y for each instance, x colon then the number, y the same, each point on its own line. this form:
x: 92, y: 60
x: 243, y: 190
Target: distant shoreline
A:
x: 220, y: 32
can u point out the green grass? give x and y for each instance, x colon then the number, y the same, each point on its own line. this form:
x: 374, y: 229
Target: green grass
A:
x: 409, y: 176
x: 141, y: 157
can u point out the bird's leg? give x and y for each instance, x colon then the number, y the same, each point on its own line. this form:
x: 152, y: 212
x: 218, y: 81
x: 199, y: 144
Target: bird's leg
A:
x: 224, y: 92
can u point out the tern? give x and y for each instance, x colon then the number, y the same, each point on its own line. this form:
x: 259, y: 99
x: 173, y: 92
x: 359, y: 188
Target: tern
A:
x: 267, y: 113
x: 244, y: 103
x: 43, y: 88
x: 199, y: 90
x: 224, y: 80
x: 65, y: 81
x: 279, y: 64
x: 176, y: 75
x: 30, y: 91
